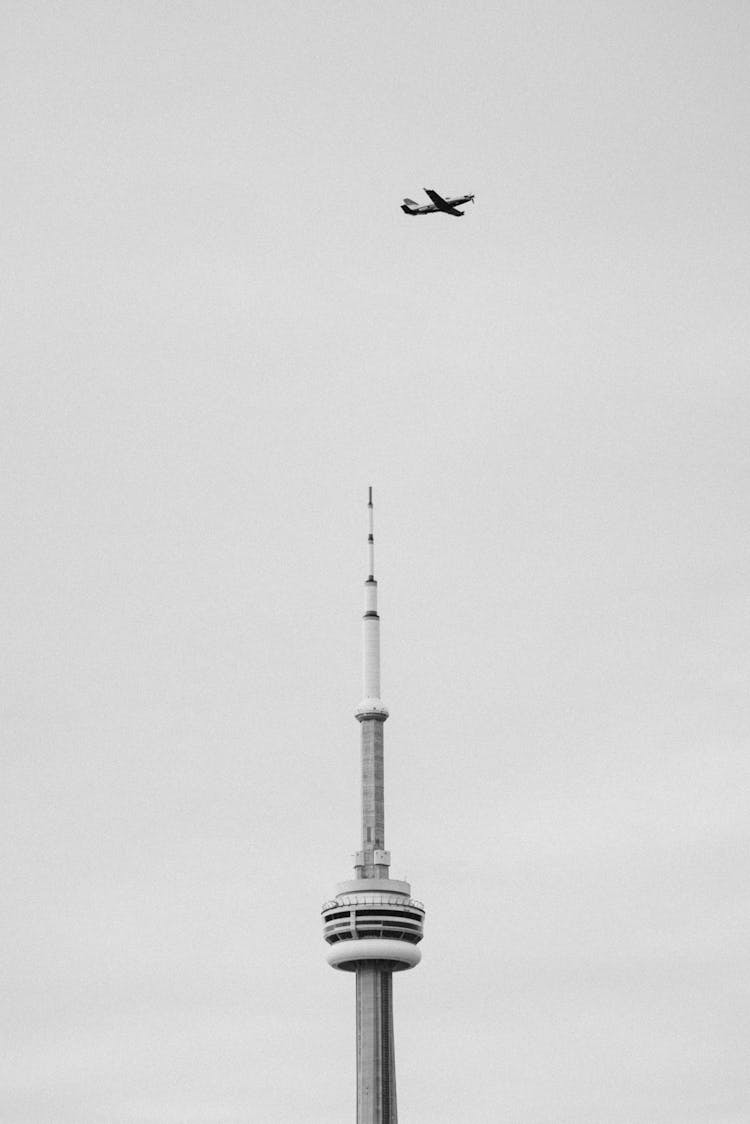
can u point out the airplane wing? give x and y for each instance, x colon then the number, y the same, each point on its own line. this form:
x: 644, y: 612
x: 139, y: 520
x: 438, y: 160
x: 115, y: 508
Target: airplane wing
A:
x: 442, y: 204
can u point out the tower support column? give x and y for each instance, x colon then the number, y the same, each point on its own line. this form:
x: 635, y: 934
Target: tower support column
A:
x: 376, y: 1066
x: 373, y: 800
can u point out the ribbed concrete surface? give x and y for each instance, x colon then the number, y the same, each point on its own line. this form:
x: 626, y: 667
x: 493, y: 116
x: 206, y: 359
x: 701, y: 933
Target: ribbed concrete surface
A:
x: 376, y: 1067
x: 373, y: 796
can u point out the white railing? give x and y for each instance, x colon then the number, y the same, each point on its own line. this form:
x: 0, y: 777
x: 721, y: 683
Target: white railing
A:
x: 355, y: 900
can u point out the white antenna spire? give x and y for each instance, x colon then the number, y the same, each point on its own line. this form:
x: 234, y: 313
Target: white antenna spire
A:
x: 371, y: 536
x: 371, y: 703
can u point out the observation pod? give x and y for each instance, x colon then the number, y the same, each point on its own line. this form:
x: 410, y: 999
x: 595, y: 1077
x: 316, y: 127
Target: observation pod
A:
x: 364, y: 925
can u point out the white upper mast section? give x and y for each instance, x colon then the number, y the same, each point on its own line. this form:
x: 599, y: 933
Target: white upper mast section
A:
x: 371, y: 705
x: 371, y: 538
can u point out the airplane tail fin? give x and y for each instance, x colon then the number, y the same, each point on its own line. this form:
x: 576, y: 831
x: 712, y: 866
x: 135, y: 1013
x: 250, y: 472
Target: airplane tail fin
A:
x: 411, y: 202
x: 409, y: 207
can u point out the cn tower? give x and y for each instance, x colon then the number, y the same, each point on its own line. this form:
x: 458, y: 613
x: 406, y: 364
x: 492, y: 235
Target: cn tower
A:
x: 373, y: 925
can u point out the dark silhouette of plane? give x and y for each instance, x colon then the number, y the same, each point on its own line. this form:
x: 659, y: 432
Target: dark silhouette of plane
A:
x: 448, y: 206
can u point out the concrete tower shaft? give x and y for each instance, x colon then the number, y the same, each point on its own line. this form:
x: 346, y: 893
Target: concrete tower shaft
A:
x: 376, y: 1060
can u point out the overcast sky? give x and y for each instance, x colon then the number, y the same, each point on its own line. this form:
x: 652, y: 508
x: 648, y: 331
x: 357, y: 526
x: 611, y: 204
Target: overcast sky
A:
x: 219, y: 330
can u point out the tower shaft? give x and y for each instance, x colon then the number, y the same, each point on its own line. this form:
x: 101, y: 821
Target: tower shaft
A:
x: 373, y: 801
x: 376, y: 1062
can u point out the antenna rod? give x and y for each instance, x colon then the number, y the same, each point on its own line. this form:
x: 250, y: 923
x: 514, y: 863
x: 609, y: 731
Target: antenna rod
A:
x: 371, y: 539
x: 371, y: 704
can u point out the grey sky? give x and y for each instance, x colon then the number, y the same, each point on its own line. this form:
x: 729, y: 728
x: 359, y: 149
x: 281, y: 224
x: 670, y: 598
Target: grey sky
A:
x: 219, y: 329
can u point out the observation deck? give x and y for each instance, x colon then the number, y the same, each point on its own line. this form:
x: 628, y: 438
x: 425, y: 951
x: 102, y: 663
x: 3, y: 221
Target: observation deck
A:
x: 373, y: 921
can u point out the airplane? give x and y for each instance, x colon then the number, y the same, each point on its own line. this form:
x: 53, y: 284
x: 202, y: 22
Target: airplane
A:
x: 448, y: 206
